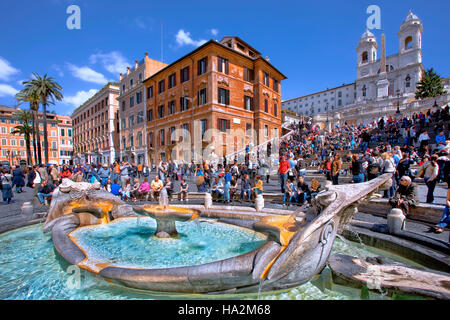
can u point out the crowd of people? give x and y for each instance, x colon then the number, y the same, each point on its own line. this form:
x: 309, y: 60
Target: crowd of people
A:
x: 386, y: 145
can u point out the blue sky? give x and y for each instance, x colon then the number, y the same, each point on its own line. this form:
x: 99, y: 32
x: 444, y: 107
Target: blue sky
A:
x: 312, y: 42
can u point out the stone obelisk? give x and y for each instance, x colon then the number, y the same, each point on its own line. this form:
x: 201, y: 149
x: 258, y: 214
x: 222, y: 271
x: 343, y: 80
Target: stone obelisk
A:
x: 382, y: 83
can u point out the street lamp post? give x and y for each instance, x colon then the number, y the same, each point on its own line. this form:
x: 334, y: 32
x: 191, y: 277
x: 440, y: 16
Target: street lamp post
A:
x: 398, y: 101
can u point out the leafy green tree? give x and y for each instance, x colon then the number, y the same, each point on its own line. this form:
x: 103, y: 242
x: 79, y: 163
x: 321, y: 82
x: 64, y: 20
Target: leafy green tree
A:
x: 48, y: 90
x: 25, y: 117
x: 430, y: 85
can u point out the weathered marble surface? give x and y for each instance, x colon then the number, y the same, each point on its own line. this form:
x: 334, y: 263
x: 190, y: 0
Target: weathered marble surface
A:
x: 381, y: 274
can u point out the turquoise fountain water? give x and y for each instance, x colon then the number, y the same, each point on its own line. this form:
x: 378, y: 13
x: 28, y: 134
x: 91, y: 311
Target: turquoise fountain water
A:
x: 125, y: 243
x: 30, y: 268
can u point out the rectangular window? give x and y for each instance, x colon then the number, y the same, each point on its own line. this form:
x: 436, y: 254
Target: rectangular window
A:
x: 172, y: 80
x: 150, y: 92
x: 266, y: 79
x: 201, y: 66
x: 184, y: 104
x: 62, y: 132
x: 248, y: 129
x: 22, y: 143
x: 161, y: 86
x: 266, y: 105
x: 13, y: 142
x: 4, y: 130
x: 131, y: 83
x: 204, y: 123
x: 131, y: 121
x: 171, y: 107
x: 149, y: 115
x: 224, y: 96
x: 248, y: 103
x: 223, y: 124
x: 275, y: 110
x: 138, y: 97
x: 140, y: 77
x: 123, y: 105
x: 140, y: 139
x: 275, y: 85
x: 161, y: 111
x: 54, y: 145
x: 63, y: 141
x: 172, y: 135
x: 69, y: 132
x: 4, y: 143
x: 266, y: 130
x: 123, y: 124
x: 140, y: 117
x: 201, y: 97
x: 150, y: 139
x: 249, y: 74
x: 184, y: 74
x: 222, y: 65
x: 161, y: 137
x: 131, y: 140
x: 53, y: 133
x: 131, y: 102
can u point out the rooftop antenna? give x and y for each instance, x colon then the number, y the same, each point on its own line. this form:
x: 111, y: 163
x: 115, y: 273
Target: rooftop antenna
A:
x: 162, y: 55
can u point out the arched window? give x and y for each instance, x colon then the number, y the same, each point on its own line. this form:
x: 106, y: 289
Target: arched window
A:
x: 408, y: 81
x: 365, y: 56
x: 408, y: 42
x: 364, y: 90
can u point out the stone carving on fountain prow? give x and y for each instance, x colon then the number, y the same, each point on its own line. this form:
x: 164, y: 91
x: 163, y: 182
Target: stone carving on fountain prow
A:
x: 309, y: 248
x: 85, y: 204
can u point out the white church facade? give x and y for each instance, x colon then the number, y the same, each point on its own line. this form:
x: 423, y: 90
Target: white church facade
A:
x: 383, y: 84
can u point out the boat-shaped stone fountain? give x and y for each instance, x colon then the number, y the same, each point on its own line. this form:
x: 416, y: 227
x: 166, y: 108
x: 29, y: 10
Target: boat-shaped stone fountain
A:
x: 290, y: 248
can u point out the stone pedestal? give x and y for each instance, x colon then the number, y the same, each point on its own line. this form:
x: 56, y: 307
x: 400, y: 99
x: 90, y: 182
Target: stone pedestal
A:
x: 166, y: 229
x: 395, y: 221
x: 259, y: 202
x: 208, y: 200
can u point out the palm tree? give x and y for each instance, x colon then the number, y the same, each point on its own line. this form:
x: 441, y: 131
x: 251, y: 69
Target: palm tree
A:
x: 430, y: 85
x: 48, y: 90
x: 30, y: 96
x: 24, y: 129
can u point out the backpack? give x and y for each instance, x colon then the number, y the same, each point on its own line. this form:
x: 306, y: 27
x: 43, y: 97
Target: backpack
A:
x: 374, y: 168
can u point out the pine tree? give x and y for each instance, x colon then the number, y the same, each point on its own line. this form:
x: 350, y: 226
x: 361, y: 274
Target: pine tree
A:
x: 430, y: 85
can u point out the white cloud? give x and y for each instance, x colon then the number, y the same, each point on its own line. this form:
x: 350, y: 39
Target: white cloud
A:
x: 114, y: 61
x: 58, y: 70
x: 87, y: 74
x: 80, y: 97
x: 7, y: 90
x: 6, y: 69
x: 184, y: 38
x: 214, y: 32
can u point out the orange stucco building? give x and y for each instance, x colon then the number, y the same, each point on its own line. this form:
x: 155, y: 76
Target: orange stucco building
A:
x: 13, y: 147
x: 219, y: 97
x: 132, y: 110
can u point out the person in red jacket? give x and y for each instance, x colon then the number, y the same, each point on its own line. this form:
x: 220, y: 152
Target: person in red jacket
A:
x: 283, y: 168
x: 65, y: 172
